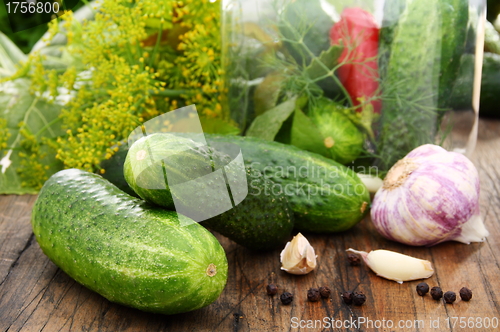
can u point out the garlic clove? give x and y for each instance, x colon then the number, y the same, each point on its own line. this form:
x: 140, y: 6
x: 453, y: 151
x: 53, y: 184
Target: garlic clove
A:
x: 473, y: 230
x: 373, y: 183
x: 395, y: 266
x: 298, y: 257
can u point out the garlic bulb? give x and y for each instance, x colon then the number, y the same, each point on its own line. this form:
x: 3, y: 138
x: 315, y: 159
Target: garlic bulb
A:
x: 298, y: 257
x: 395, y: 266
x: 428, y: 197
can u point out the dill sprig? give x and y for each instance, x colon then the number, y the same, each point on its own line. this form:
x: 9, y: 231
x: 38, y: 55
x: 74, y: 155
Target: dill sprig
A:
x: 309, y: 68
x: 133, y: 61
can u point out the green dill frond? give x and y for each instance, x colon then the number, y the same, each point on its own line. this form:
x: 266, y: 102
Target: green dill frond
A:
x: 132, y: 62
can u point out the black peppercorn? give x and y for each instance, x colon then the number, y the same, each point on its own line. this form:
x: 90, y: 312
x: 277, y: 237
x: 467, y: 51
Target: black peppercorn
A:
x: 271, y: 289
x: 347, y: 297
x: 436, y: 293
x: 313, y: 295
x: 450, y: 297
x: 358, y: 298
x: 324, y: 291
x: 422, y: 288
x: 465, y: 294
x: 353, y: 259
x: 286, y: 298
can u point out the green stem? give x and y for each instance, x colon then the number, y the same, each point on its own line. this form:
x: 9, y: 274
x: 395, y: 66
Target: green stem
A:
x: 26, y: 115
x: 328, y: 70
x: 169, y: 93
x: 157, y: 45
x: 47, y: 126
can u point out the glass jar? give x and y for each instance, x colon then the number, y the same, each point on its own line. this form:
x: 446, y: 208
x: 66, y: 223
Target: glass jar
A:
x: 360, y: 81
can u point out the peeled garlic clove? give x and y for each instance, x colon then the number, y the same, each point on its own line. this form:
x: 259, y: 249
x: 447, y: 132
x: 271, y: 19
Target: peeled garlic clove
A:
x: 395, y: 266
x: 298, y: 257
x: 373, y: 183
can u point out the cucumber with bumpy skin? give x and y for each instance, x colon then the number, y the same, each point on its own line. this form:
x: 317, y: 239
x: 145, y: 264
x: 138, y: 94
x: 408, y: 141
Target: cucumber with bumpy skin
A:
x: 256, y: 217
x: 124, y: 249
x: 426, y: 45
x: 324, y: 195
x: 342, y: 139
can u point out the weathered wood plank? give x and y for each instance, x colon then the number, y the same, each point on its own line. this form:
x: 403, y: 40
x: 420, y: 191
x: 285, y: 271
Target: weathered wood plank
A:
x: 36, y: 296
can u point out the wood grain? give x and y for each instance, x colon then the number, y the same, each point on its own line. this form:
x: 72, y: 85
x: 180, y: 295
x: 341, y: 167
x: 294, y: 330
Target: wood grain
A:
x: 36, y: 296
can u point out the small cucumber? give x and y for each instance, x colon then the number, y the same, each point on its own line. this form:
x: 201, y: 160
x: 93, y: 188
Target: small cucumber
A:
x: 342, y: 139
x: 122, y: 248
x: 254, y: 216
x: 324, y: 195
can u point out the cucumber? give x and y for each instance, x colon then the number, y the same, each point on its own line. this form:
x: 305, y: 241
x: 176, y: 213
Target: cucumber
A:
x: 490, y: 85
x: 454, y: 28
x: 426, y: 33
x: 424, y: 61
x: 342, y: 139
x: 254, y: 216
x: 491, y: 39
x: 410, y: 87
x: 324, y: 195
x: 493, y: 9
x: 392, y: 11
x: 333, y: 211
x: 122, y: 248
x: 262, y: 221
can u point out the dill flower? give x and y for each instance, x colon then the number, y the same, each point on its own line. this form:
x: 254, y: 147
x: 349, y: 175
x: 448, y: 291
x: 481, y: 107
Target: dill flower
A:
x: 4, y: 135
x: 135, y: 60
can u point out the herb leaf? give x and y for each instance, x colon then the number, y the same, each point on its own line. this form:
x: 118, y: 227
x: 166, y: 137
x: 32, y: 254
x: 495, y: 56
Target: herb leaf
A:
x: 326, y: 61
x: 30, y: 120
x: 218, y: 126
x: 10, y: 56
x: 267, y: 125
x: 267, y: 92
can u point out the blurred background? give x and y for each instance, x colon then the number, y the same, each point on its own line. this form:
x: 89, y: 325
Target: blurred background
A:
x: 30, y: 28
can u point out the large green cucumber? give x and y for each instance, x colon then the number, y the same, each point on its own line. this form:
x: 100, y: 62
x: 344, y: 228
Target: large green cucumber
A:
x: 260, y: 221
x: 454, y: 27
x: 392, y: 11
x: 424, y: 61
x: 124, y: 249
x: 343, y: 202
x: 411, y: 82
x: 424, y: 40
x: 324, y: 195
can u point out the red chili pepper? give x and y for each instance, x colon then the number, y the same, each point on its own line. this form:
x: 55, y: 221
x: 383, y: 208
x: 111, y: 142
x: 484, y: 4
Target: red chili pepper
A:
x: 358, y: 32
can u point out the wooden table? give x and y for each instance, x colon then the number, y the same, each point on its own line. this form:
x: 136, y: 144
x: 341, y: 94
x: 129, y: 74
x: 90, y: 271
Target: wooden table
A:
x: 36, y: 296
